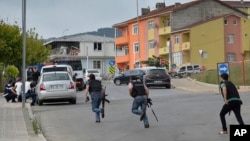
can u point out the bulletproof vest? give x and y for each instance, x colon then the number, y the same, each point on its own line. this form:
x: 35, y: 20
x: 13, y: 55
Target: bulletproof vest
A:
x: 7, y: 88
x: 231, y: 90
x: 138, y: 89
x: 95, y: 86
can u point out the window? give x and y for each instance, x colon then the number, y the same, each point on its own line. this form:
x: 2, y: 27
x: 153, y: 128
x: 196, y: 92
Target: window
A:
x: 126, y: 50
x: 177, y: 58
x: 97, y: 46
x: 196, y: 67
x: 204, y: 55
x: 151, y: 44
x: 119, y: 49
x: 182, y: 69
x: 176, y: 39
x: 97, y: 64
x: 225, y: 22
x: 151, y: 25
x: 235, y: 22
x: 167, y: 23
x: 230, y: 57
x: 189, y: 68
x: 135, y: 29
x: 230, y: 38
x: 136, y: 47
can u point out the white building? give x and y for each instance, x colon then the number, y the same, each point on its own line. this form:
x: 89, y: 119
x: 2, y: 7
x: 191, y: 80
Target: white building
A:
x: 94, y: 52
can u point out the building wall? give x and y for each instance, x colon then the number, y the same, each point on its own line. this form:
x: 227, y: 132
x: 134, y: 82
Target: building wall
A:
x: 208, y: 37
x: 199, y: 12
x: 233, y: 29
x: 246, y: 38
x: 88, y: 55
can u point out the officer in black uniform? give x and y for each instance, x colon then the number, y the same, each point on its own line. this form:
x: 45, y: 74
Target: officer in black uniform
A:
x: 232, y: 102
x: 140, y: 94
x: 95, y: 89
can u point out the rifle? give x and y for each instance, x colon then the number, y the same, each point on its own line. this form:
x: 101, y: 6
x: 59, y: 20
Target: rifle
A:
x: 103, y: 102
x: 149, y: 103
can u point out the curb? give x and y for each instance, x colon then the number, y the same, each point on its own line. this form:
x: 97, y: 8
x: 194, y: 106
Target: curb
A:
x: 212, y: 88
x: 32, y: 117
x: 240, y: 89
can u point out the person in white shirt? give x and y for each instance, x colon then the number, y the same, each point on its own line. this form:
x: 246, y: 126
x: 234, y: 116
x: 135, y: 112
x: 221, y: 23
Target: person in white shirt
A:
x: 18, y: 88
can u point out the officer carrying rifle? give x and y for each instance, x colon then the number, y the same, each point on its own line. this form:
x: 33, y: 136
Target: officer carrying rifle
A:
x: 95, y: 89
x: 140, y: 93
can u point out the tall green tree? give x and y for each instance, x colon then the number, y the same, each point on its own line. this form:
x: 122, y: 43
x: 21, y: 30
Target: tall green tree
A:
x: 11, y: 46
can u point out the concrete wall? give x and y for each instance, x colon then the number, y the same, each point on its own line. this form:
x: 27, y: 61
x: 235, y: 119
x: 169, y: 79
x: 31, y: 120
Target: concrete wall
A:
x: 199, y: 12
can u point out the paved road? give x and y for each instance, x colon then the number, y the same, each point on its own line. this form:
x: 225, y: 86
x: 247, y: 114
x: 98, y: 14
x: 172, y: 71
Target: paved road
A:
x: 183, y: 116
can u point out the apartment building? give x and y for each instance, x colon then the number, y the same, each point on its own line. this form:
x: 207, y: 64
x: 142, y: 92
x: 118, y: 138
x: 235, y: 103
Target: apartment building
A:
x: 198, y: 32
x: 94, y: 52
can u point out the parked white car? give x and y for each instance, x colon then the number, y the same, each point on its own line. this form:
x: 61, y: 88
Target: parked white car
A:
x: 53, y: 68
x: 96, y: 72
x: 55, y: 86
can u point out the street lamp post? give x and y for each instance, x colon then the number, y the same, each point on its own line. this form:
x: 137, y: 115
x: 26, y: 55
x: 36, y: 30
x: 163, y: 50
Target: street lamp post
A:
x: 243, y: 70
x: 64, y: 31
x: 201, y: 52
x: 139, y: 45
x: 87, y: 58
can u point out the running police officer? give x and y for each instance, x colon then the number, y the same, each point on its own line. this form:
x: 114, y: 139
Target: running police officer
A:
x: 95, y: 89
x: 140, y: 93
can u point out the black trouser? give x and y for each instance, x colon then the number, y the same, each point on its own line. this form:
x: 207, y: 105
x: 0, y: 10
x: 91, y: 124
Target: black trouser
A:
x: 232, y: 106
x: 10, y: 96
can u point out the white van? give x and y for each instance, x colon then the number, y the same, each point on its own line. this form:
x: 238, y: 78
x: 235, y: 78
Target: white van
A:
x: 96, y: 72
x: 188, y: 69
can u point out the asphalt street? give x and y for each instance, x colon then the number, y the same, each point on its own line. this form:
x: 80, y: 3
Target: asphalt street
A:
x: 184, y: 115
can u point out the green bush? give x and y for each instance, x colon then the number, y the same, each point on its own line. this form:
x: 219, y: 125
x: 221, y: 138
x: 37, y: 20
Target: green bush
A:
x: 11, y: 72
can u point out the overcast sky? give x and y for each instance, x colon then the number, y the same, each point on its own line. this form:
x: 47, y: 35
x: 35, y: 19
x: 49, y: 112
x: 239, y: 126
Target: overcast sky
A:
x: 54, y: 18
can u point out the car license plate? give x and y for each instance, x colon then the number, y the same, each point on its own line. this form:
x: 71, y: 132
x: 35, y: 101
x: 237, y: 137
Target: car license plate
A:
x: 56, y: 87
x: 158, y: 81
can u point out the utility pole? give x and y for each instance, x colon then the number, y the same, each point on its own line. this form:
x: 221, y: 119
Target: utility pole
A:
x: 24, y: 52
x: 139, y: 45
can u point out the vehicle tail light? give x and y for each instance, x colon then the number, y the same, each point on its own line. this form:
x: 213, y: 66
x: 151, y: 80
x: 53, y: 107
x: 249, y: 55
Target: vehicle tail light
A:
x: 71, y: 85
x: 42, y: 87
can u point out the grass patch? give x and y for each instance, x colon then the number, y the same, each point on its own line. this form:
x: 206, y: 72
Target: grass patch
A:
x: 235, y: 75
x: 35, y: 126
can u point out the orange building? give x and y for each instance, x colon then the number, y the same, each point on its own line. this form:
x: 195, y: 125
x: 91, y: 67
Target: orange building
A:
x: 163, y: 33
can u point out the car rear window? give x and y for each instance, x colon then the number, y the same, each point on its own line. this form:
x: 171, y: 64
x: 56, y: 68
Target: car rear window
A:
x: 54, y: 69
x: 157, y: 71
x: 55, y: 77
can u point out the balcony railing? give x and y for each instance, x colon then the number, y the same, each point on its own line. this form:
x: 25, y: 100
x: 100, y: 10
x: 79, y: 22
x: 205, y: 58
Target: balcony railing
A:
x: 121, y: 40
x: 185, y: 46
x: 121, y: 59
x: 163, y: 50
x: 164, y: 30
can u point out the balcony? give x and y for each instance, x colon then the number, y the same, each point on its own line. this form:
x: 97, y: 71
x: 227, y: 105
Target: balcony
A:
x: 163, y: 51
x: 122, y: 59
x: 164, y: 30
x: 185, y: 46
x: 121, y: 40
x: 176, y: 48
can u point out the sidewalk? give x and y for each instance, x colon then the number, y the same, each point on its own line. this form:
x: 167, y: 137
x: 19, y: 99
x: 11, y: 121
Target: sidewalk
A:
x: 189, y: 84
x: 16, y: 122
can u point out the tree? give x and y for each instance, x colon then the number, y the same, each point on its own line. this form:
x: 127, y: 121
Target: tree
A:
x: 11, y: 72
x: 155, y: 61
x: 11, y: 46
